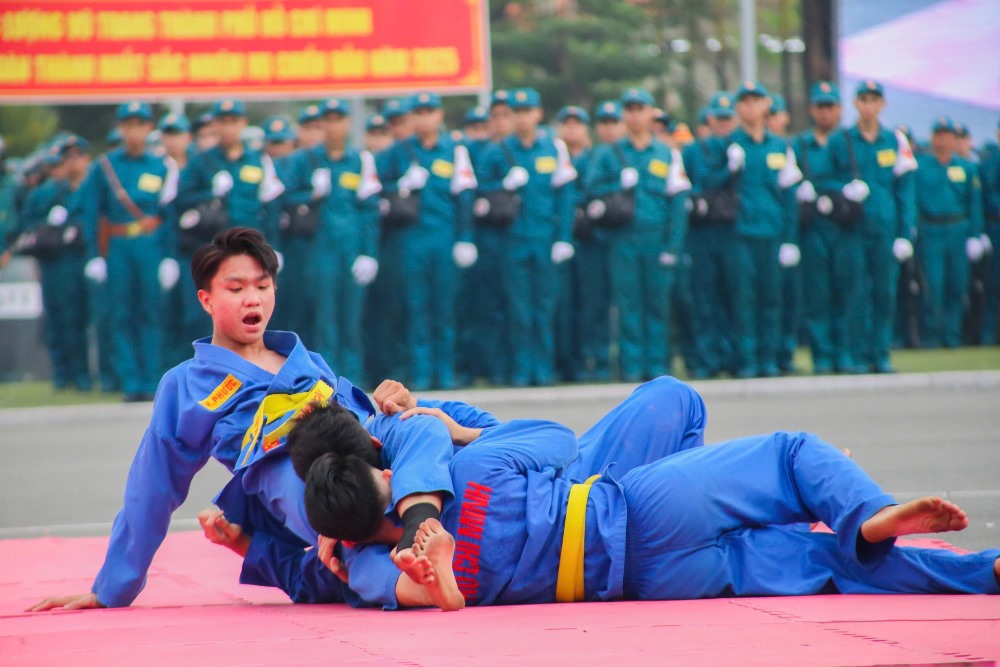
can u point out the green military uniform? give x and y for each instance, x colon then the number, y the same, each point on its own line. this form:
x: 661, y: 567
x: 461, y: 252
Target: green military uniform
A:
x: 889, y: 214
x: 989, y: 173
x: 327, y: 268
x: 544, y: 222
x: 831, y: 254
x: 641, y: 281
x: 949, y: 214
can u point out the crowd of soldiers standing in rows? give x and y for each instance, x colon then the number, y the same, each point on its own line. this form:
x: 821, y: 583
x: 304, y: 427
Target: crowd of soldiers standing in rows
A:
x: 519, y: 253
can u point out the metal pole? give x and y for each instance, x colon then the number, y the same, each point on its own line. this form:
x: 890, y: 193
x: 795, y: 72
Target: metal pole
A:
x: 748, y: 40
x: 358, y: 119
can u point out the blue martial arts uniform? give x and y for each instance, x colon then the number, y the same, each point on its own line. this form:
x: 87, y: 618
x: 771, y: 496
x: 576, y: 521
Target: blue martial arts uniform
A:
x: 659, y: 418
x: 217, y: 405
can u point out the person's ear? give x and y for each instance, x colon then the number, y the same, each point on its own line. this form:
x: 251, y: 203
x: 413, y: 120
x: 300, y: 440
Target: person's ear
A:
x: 376, y: 443
x: 387, y: 475
x: 205, y: 298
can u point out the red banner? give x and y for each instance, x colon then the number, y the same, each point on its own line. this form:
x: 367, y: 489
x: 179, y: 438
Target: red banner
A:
x: 107, y: 50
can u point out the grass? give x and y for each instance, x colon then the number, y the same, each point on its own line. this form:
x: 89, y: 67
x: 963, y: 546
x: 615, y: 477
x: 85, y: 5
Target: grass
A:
x: 37, y: 394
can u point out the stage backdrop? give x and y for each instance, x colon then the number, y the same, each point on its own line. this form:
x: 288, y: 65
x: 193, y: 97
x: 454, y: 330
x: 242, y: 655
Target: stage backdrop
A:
x: 107, y: 50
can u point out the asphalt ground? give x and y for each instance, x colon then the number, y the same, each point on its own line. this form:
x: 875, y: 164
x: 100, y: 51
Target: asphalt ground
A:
x: 63, y: 470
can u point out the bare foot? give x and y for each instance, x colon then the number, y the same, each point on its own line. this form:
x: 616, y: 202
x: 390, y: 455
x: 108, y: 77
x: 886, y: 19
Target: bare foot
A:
x: 924, y: 515
x: 437, y: 545
x: 416, y: 568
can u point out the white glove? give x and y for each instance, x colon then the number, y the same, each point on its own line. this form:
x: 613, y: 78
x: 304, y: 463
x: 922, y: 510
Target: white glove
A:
x: 789, y: 255
x: 596, y: 209
x: 629, y: 178
x: 806, y: 193
x: 465, y: 254
x: 974, y: 248
x: 415, y: 178
x: 57, y: 215
x: 281, y: 260
x: 222, y: 183
x: 364, y: 270
x: 856, y: 191
x: 168, y: 273
x: 737, y: 157
x: 96, y: 270
x: 189, y: 219
x: 668, y: 259
x: 561, y: 251
x: 321, y: 184
x: 902, y: 250
x: 987, y: 244
x: 515, y: 178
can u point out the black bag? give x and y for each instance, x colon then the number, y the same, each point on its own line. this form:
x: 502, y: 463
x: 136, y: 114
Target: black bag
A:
x: 401, y: 208
x: 301, y: 221
x: 831, y: 203
x: 501, y: 208
x: 718, y: 206
x: 47, y: 242
x: 583, y: 228
x: 200, y: 224
x: 616, y: 210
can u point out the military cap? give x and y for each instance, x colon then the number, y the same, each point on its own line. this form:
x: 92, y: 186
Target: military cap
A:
x: 824, y: 92
x: 139, y: 110
x: 573, y: 112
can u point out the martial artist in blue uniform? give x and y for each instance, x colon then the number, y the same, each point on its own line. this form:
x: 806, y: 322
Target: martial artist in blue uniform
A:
x: 234, y: 401
x: 659, y: 418
x: 524, y: 534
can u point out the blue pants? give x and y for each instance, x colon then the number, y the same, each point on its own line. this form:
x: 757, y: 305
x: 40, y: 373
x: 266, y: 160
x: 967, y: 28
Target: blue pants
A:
x: 706, y: 523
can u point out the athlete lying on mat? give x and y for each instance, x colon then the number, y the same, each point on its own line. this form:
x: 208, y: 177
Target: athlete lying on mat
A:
x: 707, y: 522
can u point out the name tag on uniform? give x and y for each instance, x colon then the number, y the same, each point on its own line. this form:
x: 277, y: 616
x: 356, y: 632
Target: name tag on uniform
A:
x: 251, y: 174
x: 443, y: 168
x: 222, y: 393
x: 658, y: 168
x: 545, y: 164
x: 349, y: 181
x: 150, y: 183
x: 776, y: 160
x: 956, y: 174
x: 886, y: 158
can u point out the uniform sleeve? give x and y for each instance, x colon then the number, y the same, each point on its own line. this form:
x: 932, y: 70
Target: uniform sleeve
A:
x: 522, y: 445
x: 842, y: 172
x: 194, y: 185
x: 157, y: 484
x: 92, y: 201
x: 273, y: 562
x: 297, y: 177
x: 906, y: 205
x: 990, y: 179
x: 975, y: 203
x: 36, y: 206
x: 466, y: 415
x: 566, y: 199
x: 603, y: 173
x: 418, y: 451
x: 715, y: 172
x: 388, y: 168
x: 694, y: 165
x: 463, y: 214
x: 677, y: 223
x: 490, y: 169
x: 372, y: 576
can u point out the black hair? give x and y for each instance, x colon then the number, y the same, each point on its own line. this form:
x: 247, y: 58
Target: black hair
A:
x: 228, y: 243
x: 330, y: 428
x: 342, y: 499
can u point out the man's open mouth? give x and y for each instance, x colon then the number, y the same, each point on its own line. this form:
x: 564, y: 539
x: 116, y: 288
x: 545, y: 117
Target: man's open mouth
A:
x: 252, y: 319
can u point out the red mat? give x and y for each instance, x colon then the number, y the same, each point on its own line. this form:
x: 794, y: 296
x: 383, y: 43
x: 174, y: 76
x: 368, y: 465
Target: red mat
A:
x: 194, y: 613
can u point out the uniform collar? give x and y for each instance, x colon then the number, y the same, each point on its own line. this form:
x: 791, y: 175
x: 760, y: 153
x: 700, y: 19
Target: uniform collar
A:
x: 285, y: 343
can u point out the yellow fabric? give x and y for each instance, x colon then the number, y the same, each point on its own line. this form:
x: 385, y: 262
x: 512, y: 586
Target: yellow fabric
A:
x: 569, y: 584
x: 276, y: 406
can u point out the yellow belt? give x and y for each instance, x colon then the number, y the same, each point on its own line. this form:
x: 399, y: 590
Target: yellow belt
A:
x: 569, y: 585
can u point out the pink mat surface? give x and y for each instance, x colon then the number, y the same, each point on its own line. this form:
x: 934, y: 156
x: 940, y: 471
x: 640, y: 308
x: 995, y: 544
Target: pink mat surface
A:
x: 193, y: 612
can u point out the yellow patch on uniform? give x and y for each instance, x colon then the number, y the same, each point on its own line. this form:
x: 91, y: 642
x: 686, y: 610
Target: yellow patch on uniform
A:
x: 776, y: 160
x: 222, y: 393
x: 276, y: 407
x: 886, y: 157
x: 546, y: 164
x: 251, y: 174
x: 956, y: 174
x: 150, y: 183
x: 658, y: 168
x: 443, y: 168
x: 349, y: 180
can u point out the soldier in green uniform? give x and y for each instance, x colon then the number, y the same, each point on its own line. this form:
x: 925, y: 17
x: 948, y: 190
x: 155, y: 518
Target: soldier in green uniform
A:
x: 831, y: 249
x: 536, y: 168
x: 711, y: 239
x: 125, y: 246
x: 175, y: 136
x: 949, y: 230
x: 646, y: 246
x: 310, y: 131
x: 872, y: 166
x: 279, y: 137
x: 330, y: 256
x: 377, y: 137
x: 430, y: 247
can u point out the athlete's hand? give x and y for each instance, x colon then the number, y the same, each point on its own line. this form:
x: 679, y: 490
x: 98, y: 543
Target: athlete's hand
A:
x: 220, y: 531
x: 460, y: 435
x: 325, y: 554
x: 392, y: 397
x: 82, y: 601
